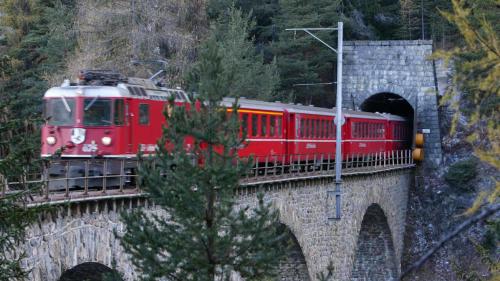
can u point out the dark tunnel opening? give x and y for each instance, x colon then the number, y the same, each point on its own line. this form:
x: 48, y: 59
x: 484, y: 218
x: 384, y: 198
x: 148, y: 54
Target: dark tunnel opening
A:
x: 90, y: 271
x: 392, y: 104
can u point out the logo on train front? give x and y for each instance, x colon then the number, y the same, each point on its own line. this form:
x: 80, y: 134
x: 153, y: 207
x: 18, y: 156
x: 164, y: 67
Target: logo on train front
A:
x: 78, y: 135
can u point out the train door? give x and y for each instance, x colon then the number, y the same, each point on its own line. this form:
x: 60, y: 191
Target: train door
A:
x: 129, y: 124
x: 289, y: 133
x: 122, y: 125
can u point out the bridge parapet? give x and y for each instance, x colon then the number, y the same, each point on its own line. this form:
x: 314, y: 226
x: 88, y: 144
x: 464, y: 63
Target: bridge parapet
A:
x: 103, y: 179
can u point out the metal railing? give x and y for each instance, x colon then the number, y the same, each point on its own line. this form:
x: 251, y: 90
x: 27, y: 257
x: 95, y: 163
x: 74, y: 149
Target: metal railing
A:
x: 69, y: 179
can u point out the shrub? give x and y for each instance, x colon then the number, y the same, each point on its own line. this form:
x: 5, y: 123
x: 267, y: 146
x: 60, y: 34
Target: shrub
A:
x: 461, y: 173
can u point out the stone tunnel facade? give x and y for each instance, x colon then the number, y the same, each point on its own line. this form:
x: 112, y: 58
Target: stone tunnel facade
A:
x: 373, y: 221
x: 401, y: 68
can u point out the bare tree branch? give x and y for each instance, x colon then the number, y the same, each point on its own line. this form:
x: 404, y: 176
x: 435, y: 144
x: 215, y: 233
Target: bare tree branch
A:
x: 485, y: 213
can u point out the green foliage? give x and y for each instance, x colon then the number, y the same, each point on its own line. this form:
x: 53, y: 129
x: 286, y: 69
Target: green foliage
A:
x: 301, y: 58
x: 492, y: 236
x: 201, y: 233
x: 38, y: 44
x: 372, y: 19
x: 489, y: 259
x: 246, y: 73
x: 113, y: 275
x: 461, y: 173
x: 477, y: 74
x: 35, y: 45
x: 14, y: 218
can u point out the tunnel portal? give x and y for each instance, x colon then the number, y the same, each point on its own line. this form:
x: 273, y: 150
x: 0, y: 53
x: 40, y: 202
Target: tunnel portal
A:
x: 90, y: 271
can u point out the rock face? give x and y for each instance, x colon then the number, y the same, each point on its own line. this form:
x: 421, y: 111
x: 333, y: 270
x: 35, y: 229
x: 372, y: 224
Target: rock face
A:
x: 372, y: 223
x: 402, y: 68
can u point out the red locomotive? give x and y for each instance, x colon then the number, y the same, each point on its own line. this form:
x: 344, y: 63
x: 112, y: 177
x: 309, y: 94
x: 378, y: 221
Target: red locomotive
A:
x: 117, y: 117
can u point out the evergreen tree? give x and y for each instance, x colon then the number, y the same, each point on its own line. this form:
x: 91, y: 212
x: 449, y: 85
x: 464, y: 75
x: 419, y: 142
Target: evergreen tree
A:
x: 410, y: 19
x: 262, y: 12
x: 14, y: 218
x: 34, y: 47
x: 202, y: 234
x: 247, y: 74
x: 302, y: 59
x: 372, y: 19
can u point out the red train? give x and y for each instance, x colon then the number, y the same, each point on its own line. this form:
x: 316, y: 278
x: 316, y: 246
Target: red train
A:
x: 117, y: 118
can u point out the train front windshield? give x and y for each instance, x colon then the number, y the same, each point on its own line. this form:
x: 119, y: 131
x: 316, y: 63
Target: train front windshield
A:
x: 97, y: 112
x: 60, y: 111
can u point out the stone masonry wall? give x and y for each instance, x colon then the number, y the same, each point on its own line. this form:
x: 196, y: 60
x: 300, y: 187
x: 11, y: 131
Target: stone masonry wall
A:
x: 374, y: 259
x: 398, y: 67
x: 303, y: 208
x: 72, y: 235
x: 83, y: 232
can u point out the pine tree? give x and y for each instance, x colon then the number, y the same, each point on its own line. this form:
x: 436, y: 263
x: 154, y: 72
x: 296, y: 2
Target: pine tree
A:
x: 34, y: 48
x: 302, y: 59
x: 247, y: 73
x: 203, y: 234
x: 372, y: 19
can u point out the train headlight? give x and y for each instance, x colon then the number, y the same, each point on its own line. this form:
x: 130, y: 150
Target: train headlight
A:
x: 106, y: 141
x: 51, y: 140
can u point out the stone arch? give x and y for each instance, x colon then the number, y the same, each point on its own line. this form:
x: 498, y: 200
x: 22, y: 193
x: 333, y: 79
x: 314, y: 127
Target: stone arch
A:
x: 294, y: 266
x: 375, y: 258
x: 388, y: 102
x: 297, y: 255
x: 90, y: 271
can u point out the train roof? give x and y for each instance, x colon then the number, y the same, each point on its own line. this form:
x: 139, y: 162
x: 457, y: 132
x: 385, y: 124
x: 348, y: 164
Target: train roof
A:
x: 298, y: 108
x: 121, y: 90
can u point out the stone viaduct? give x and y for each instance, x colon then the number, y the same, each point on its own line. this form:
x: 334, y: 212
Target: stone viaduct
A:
x: 365, y: 244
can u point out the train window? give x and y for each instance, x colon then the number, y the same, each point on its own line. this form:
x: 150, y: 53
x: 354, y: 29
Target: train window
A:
x: 365, y: 130
x: 263, y: 125
x: 305, y: 130
x: 119, y: 114
x: 254, y: 124
x: 97, y: 112
x: 60, y: 111
x: 244, y: 123
x: 314, y: 126
x: 332, y: 129
x: 278, y: 127
x: 325, y: 129
x: 302, y: 130
x: 311, y: 128
x: 317, y: 129
x: 143, y: 114
x: 272, y: 126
